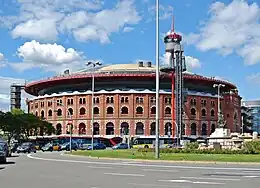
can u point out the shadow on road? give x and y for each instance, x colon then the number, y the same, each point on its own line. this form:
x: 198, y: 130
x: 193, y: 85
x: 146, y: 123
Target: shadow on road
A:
x: 14, y: 156
x: 7, y: 163
x: 2, y: 168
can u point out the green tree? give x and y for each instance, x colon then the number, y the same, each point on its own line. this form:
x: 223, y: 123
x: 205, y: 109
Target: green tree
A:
x: 17, y: 124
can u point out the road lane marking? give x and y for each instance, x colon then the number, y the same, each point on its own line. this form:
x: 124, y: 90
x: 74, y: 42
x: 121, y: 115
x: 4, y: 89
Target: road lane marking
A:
x: 152, y: 185
x: 251, y: 176
x: 141, y: 165
x: 101, y: 167
x: 208, y: 183
x: 176, y: 181
x: 120, y: 174
x: 202, y: 178
x: 192, y: 182
x: 233, y: 173
x: 158, y: 170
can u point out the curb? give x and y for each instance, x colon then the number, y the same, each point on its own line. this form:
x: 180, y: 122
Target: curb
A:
x: 163, y: 161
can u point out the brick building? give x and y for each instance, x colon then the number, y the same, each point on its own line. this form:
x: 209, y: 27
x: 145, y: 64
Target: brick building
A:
x: 125, y: 98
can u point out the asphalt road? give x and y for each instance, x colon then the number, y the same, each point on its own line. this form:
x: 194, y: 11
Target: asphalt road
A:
x: 47, y: 170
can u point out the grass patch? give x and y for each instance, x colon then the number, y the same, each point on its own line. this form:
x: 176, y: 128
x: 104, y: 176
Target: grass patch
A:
x: 134, y: 154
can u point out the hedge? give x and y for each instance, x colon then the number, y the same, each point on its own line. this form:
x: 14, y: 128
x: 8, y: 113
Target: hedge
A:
x: 251, y: 147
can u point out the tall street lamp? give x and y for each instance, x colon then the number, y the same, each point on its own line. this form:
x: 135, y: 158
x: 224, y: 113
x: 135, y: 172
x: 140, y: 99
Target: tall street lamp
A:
x: 219, y: 110
x: 157, y: 120
x: 93, y: 64
x: 70, y: 120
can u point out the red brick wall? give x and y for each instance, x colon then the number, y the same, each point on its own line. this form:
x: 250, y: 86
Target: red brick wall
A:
x: 230, y: 106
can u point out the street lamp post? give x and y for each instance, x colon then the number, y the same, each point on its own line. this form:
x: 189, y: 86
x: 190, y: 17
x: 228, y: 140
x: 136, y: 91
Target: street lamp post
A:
x: 70, y: 121
x: 93, y: 64
x: 219, y: 110
x: 157, y: 125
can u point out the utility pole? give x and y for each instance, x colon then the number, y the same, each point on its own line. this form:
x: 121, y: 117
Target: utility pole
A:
x: 157, y: 124
x: 93, y: 64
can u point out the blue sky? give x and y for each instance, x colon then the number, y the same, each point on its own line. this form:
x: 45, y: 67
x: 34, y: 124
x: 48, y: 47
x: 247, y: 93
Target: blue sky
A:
x: 40, y: 38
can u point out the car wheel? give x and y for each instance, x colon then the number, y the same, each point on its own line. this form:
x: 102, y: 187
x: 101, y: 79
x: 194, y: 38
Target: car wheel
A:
x: 146, y: 146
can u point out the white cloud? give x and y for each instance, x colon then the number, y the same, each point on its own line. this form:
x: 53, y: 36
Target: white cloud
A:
x: 100, y: 26
x: 44, y: 20
x: 231, y: 28
x: 191, y: 62
x: 2, y: 63
x: 255, y: 78
x: 5, y: 92
x: 128, y: 29
x: 30, y: 29
x: 52, y: 57
x: 1, y: 57
x: 165, y: 12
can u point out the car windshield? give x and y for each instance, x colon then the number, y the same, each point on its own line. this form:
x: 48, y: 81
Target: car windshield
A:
x: 1, y: 147
x: 48, y: 144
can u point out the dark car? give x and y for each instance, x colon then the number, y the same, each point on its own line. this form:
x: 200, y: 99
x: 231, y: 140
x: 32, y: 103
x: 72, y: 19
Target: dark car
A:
x: 2, y: 154
x: 97, y: 146
x: 120, y: 146
x: 26, y: 147
x: 66, y: 146
x: 6, y: 148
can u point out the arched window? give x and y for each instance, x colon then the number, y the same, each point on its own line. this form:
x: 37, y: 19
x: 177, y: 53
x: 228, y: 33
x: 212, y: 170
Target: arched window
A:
x: 212, y: 113
x: 213, y: 127
x: 59, y: 112
x: 82, y: 111
x: 70, y: 111
x: 152, y: 129
x: 96, y: 128
x: 36, y: 113
x: 193, y: 111
x: 193, y: 128
x: 139, y: 130
x: 110, y: 110
x: 124, y: 128
x: 204, y: 129
x: 96, y: 110
x: 58, y: 129
x: 153, y: 110
x: 82, y: 128
x: 168, y: 129
x: 168, y: 111
x: 203, y: 112
x: 109, y: 128
x: 50, y: 113
x: 139, y: 110
x: 42, y: 114
x: 124, y: 110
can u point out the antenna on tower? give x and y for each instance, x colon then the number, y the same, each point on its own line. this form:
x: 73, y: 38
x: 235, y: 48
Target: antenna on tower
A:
x: 172, y: 23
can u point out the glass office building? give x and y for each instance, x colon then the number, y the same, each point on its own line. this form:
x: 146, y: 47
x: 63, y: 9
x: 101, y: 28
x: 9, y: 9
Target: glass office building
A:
x: 255, y: 112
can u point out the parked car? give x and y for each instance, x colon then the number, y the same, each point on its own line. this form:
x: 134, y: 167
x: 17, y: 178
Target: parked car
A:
x: 14, y: 147
x: 6, y: 148
x: 97, y: 146
x: 51, y: 147
x: 26, y: 147
x: 120, y: 146
x: 2, y: 154
x: 66, y: 146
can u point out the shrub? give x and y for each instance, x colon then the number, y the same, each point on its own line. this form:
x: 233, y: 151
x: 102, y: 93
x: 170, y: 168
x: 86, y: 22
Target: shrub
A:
x: 192, y: 146
x: 252, y: 147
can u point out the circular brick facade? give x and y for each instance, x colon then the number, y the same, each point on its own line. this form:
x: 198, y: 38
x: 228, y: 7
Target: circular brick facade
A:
x: 117, y: 109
